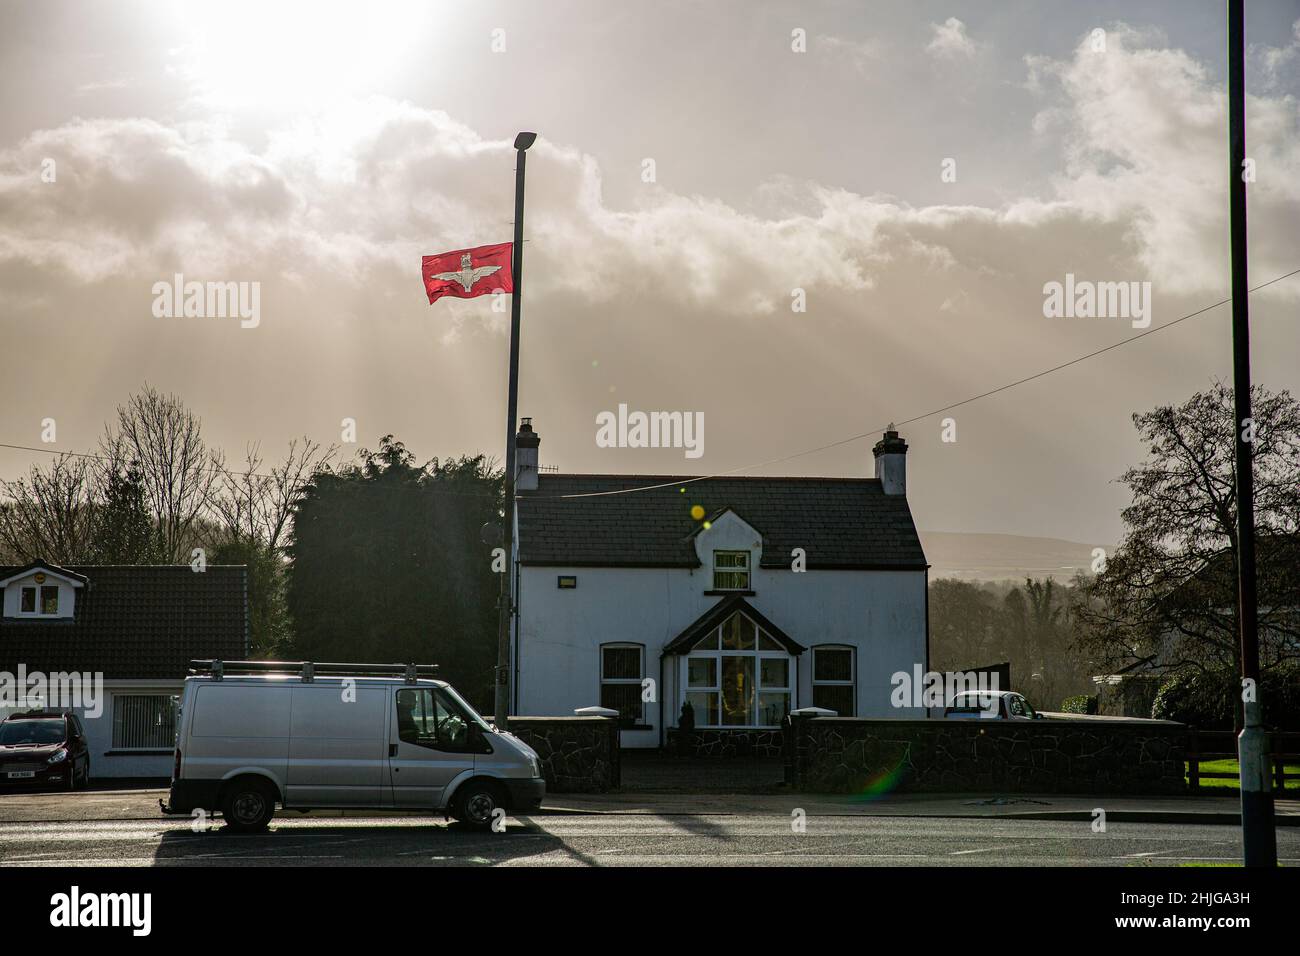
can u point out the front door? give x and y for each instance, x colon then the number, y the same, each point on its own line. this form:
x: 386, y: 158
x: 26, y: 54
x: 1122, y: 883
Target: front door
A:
x: 428, y: 747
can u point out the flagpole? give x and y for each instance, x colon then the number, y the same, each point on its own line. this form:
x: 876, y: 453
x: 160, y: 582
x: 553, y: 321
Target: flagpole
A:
x: 505, y: 599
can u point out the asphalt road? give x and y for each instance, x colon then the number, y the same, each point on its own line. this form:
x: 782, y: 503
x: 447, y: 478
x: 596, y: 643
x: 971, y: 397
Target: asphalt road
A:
x: 633, y: 839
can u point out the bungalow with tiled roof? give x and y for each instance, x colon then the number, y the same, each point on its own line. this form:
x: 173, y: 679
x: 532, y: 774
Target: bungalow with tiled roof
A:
x: 744, y: 597
x: 113, y: 643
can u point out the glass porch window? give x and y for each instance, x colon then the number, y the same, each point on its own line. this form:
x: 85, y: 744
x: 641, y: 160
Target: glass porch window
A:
x: 738, y: 676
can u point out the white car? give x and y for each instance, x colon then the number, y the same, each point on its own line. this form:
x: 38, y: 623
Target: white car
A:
x: 995, y: 704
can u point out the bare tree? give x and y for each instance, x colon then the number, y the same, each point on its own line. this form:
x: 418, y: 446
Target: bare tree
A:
x: 163, y: 440
x: 255, y: 507
x: 50, y: 514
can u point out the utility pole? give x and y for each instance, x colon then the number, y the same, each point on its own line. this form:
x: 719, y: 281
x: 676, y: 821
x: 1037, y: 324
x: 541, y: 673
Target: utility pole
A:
x: 1258, y: 838
x: 506, y: 597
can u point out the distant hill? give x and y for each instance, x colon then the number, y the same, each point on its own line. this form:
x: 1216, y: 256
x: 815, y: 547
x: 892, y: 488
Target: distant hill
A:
x: 998, y: 557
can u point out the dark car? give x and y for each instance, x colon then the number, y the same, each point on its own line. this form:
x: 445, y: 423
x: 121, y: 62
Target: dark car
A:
x: 43, y: 748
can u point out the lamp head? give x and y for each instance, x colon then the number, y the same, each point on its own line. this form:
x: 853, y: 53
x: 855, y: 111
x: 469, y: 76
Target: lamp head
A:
x: 524, y: 140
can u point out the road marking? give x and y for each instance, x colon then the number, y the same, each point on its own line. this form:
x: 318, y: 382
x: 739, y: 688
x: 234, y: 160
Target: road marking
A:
x: 154, y: 860
x: 987, y: 849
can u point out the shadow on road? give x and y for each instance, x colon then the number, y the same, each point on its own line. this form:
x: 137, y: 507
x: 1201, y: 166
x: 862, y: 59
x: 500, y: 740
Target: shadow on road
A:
x: 341, y: 844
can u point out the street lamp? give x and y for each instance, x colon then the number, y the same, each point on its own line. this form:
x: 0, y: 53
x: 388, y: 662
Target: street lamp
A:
x: 1259, y: 841
x: 505, y: 600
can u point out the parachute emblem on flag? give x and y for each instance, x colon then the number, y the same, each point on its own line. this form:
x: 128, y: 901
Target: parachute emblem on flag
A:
x: 467, y: 275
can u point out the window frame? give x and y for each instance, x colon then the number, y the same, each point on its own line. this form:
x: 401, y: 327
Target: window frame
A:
x: 746, y: 570
x: 37, y: 592
x: 757, y: 654
x: 118, y: 745
x: 639, y: 719
x: 852, y: 682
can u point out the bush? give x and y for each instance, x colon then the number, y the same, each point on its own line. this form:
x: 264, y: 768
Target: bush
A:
x: 1079, y: 704
x: 1211, y: 700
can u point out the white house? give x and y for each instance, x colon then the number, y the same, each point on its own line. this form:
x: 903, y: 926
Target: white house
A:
x: 747, y: 597
x: 118, y: 639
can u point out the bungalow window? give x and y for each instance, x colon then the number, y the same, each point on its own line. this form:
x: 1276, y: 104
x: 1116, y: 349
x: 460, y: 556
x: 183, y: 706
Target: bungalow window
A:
x: 622, y: 668
x: 144, y: 722
x: 731, y: 570
x: 738, y: 676
x: 834, y: 684
x: 48, y: 604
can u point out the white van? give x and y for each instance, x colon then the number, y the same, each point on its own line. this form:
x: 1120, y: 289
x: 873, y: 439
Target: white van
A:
x: 251, y: 734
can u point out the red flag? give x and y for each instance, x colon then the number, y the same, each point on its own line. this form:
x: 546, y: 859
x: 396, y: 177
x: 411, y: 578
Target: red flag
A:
x: 466, y: 273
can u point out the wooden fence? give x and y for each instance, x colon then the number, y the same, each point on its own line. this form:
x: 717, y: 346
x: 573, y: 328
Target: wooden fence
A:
x: 1222, y: 745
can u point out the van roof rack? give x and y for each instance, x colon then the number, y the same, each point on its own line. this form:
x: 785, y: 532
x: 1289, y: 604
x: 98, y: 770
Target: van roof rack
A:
x: 308, y: 670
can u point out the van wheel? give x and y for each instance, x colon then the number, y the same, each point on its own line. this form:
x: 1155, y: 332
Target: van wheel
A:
x: 476, y: 803
x: 247, y: 806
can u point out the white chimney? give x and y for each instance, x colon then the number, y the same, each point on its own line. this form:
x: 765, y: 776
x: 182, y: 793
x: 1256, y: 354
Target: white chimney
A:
x: 526, y: 442
x: 891, y: 463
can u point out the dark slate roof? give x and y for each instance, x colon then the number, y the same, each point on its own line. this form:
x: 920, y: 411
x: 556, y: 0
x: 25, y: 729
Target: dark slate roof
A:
x: 136, y: 622
x: 846, y: 523
x: 700, y: 628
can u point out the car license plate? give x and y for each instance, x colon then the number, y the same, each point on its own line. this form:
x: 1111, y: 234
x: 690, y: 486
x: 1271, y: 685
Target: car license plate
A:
x: 20, y: 774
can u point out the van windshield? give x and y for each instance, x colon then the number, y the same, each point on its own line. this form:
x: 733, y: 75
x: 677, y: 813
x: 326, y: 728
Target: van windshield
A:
x: 469, y: 711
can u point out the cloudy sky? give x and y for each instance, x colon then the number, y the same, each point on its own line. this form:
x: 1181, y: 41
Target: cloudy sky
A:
x: 320, y: 149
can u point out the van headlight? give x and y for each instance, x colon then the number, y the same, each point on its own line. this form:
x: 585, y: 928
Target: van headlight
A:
x: 537, y: 766
x: 58, y: 756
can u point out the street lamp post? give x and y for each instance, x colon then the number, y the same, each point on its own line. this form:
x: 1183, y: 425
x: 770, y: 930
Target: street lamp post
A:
x: 505, y: 599
x: 1258, y: 839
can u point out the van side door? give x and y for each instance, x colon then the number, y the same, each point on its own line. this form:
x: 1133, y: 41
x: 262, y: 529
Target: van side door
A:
x: 336, y: 749
x: 429, y: 745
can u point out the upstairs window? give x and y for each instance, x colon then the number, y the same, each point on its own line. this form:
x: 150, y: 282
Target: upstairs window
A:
x: 48, y: 602
x: 731, y: 570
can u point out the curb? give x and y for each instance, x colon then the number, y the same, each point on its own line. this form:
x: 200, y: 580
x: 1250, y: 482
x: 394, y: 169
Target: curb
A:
x: 1115, y: 816
x: 1152, y: 816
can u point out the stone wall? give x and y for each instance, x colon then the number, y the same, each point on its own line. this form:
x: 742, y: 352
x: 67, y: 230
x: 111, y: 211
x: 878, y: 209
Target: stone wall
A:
x: 729, y: 743
x: 1067, y: 755
x: 578, y: 754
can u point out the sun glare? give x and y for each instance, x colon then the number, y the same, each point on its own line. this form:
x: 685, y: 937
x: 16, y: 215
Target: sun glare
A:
x: 246, y: 55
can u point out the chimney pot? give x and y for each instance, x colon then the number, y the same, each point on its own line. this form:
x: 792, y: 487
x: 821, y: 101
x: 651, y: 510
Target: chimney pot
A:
x: 526, y: 443
x: 891, y: 463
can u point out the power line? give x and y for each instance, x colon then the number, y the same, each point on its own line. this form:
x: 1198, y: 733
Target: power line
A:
x: 785, y: 458
x: 929, y: 414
